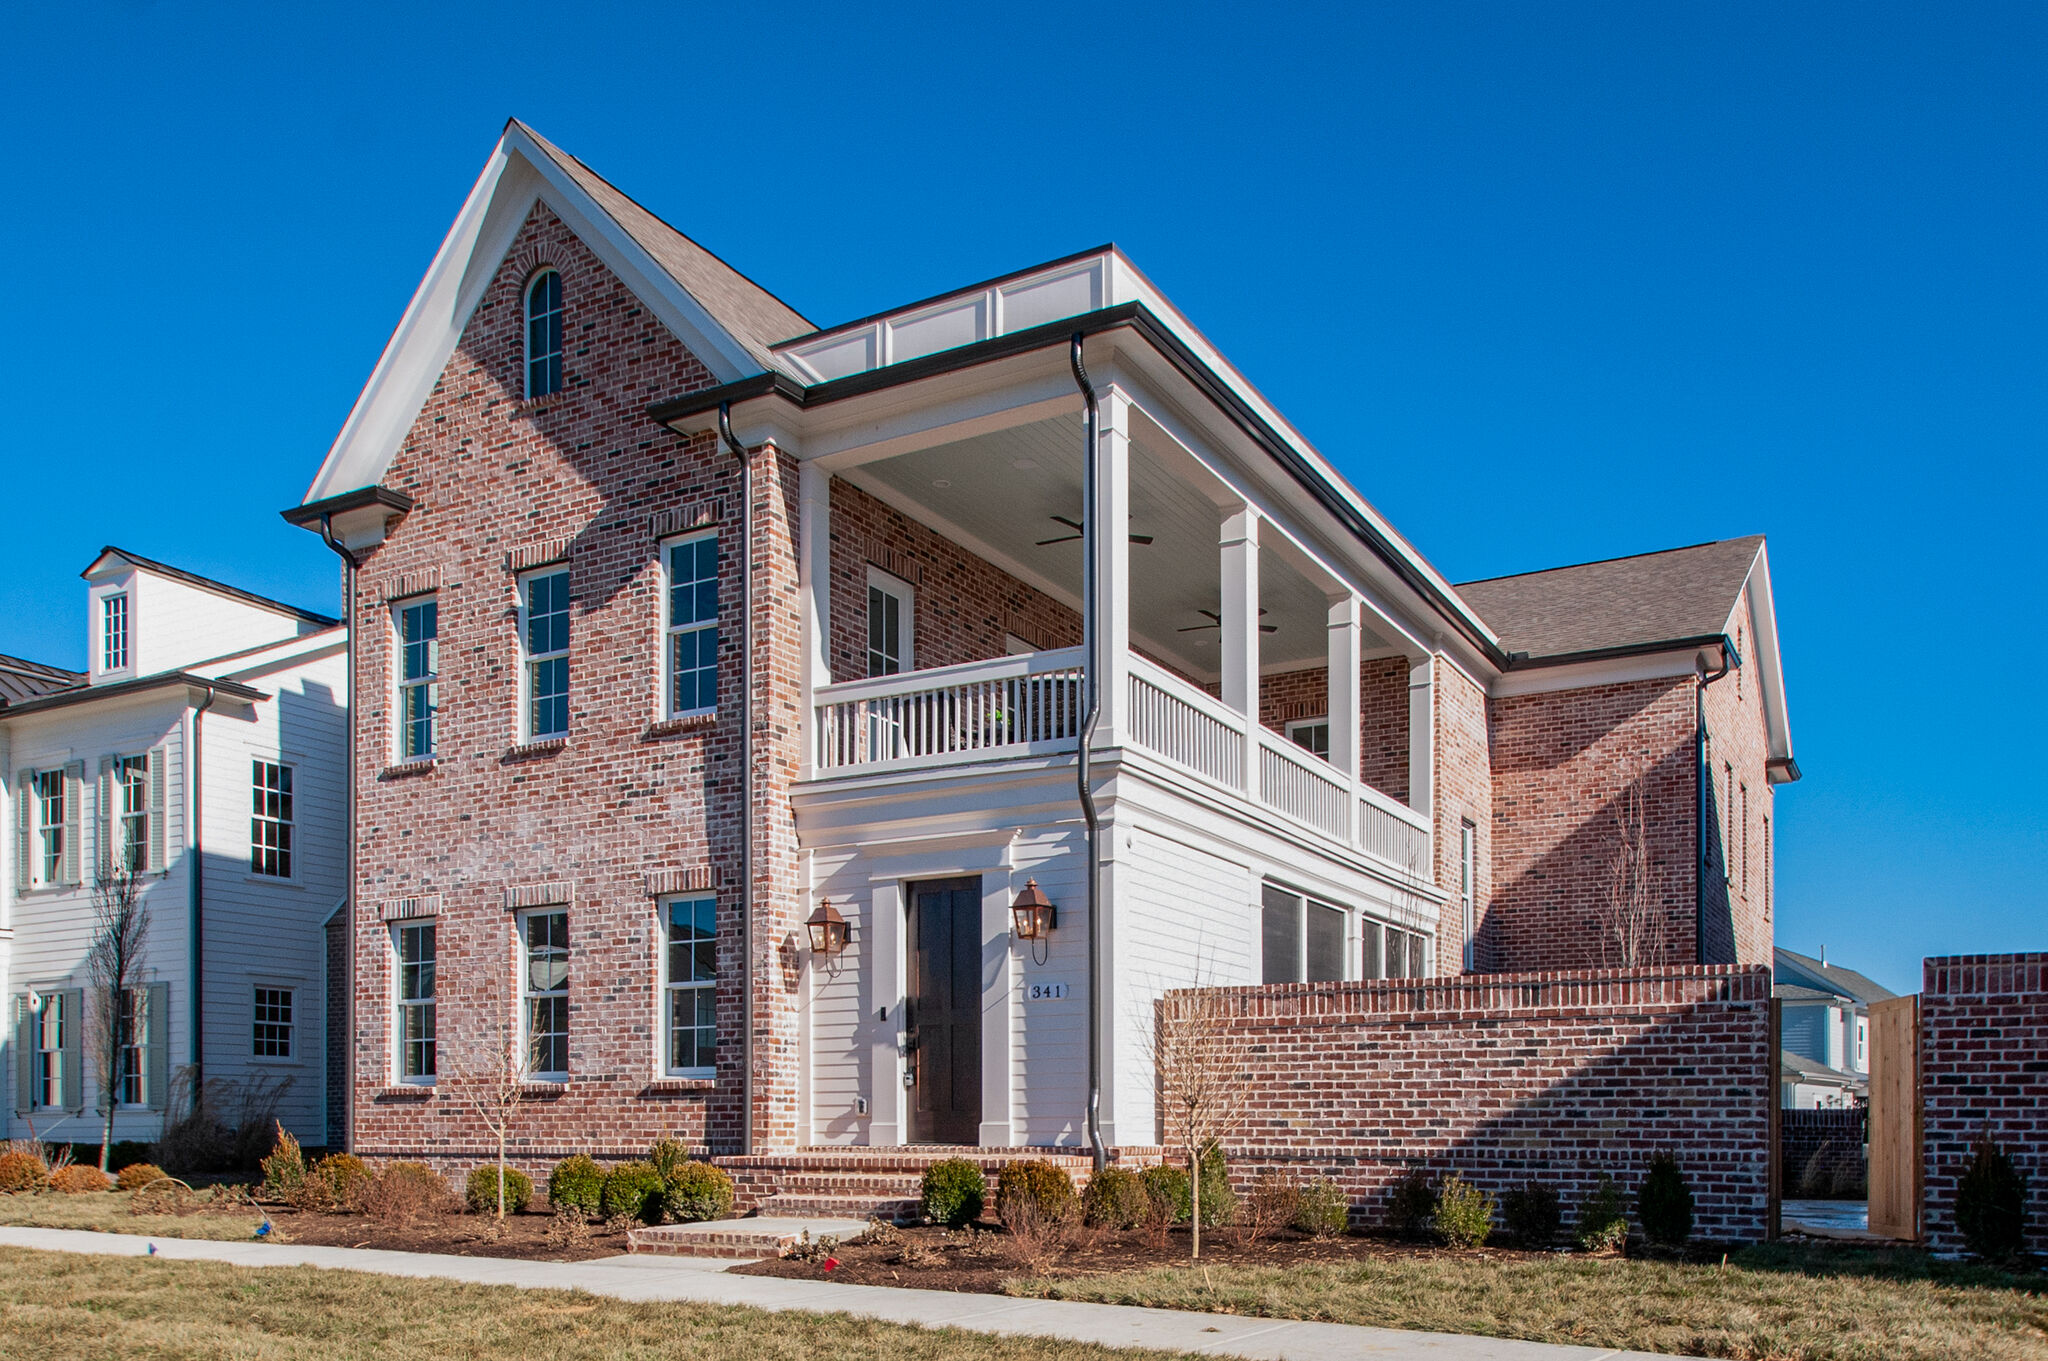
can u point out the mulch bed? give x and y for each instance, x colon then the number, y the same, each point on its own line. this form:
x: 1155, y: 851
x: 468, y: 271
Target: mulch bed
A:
x: 528, y: 1236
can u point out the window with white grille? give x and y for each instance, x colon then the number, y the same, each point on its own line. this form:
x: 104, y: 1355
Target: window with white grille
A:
x: 271, y: 1033
x: 270, y: 824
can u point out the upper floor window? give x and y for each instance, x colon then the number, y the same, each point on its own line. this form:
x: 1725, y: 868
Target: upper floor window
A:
x: 129, y: 790
x: 114, y: 631
x: 544, y: 334
x: 270, y: 822
x: 890, y: 613
x: 1468, y: 837
x: 692, y: 633
x: 691, y: 983
x: 544, y: 995
x: 52, y: 827
x: 544, y: 633
x: 416, y: 1052
x: 1312, y: 735
x: 419, y: 677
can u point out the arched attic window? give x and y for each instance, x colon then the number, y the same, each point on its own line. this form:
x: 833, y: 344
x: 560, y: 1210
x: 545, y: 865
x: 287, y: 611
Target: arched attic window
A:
x: 544, y: 334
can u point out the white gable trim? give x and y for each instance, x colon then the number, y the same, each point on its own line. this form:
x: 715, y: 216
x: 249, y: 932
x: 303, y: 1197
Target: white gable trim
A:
x: 1768, y: 669
x: 517, y: 175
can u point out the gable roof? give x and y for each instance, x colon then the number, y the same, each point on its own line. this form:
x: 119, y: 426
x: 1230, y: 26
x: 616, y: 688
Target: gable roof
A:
x: 1676, y: 596
x: 220, y: 588
x: 722, y: 317
x: 1804, y: 1069
x: 22, y: 679
x: 1833, y: 978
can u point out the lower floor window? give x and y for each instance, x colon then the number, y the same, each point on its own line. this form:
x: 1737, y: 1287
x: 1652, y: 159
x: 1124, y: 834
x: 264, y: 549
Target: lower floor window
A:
x: 1390, y: 952
x: 132, y: 1043
x: 272, y: 1035
x: 1302, y: 940
x: 416, y: 1003
x: 544, y: 1000
x: 53, y: 1029
x: 691, y: 969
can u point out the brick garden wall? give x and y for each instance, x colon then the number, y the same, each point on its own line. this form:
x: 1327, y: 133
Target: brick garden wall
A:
x: 1984, y: 1070
x: 1831, y: 1141
x: 1556, y: 1077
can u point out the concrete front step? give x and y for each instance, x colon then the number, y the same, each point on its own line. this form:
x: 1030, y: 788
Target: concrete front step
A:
x: 739, y: 1239
x: 894, y: 1210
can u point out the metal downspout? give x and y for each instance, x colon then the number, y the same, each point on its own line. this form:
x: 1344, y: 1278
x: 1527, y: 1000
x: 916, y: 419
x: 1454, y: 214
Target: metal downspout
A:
x: 746, y: 777
x: 1730, y: 659
x: 348, y: 961
x: 195, y: 877
x: 1092, y: 699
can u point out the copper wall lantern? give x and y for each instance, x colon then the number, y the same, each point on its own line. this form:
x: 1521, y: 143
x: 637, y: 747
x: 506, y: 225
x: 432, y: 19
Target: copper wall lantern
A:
x: 829, y: 931
x: 1033, y: 914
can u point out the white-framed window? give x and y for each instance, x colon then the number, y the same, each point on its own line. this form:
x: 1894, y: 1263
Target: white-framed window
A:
x: 54, y: 1042
x: 114, y: 631
x: 892, y: 607
x: 270, y: 1032
x: 129, y: 789
x: 1301, y: 940
x: 1390, y: 952
x: 1862, y: 1044
x: 544, y: 994
x: 419, y: 676
x: 131, y: 1040
x: 51, y: 825
x: 1728, y: 824
x: 690, y: 643
x: 1312, y: 735
x: 544, y: 334
x: 270, y: 821
x: 413, y: 943
x: 690, y: 985
x: 1744, y: 808
x: 1468, y: 877
x: 544, y: 648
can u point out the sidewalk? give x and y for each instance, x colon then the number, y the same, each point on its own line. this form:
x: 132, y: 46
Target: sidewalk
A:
x: 702, y: 1281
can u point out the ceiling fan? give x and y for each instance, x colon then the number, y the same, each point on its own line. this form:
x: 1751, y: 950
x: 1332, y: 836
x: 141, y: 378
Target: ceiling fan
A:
x: 1075, y: 525
x: 1216, y: 622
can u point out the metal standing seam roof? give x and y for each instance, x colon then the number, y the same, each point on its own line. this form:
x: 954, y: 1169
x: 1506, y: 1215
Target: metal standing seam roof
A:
x: 756, y: 318
x: 1675, y: 595
x: 22, y: 679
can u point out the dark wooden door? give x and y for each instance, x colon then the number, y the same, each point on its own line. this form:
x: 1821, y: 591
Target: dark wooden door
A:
x: 945, y: 1011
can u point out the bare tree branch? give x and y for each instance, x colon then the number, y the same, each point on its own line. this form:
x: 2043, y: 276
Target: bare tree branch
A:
x: 491, y: 1073
x: 1631, y: 922
x: 1200, y: 1060
x: 113, y: 967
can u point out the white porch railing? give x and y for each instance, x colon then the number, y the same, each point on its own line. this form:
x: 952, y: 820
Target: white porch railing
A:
x: 1005, y: 706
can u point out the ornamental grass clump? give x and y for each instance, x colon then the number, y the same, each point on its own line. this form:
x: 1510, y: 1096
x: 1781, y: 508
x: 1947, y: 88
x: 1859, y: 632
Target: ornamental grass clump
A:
x: 1322, y: 1210
x: 1991, y: 1204
x: 1044, y: 1186
x: 1114, y: 1199
x: 135, y: 1176
x: 1664, y: 1203
x: 1532, y: 1212
x: 577, y: 1185
x: 952, y: 1192
x: 21, y: 1171
x: 1464, y: 1213
x: 633, y: 1191
x: 1601, y: 1225
x: 481, y: 1192
x: 693, y: 1192
x: 79, y: 1179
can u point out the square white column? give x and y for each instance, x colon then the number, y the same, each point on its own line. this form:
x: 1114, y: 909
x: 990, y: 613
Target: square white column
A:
x: 1109, y: 634
x: 1240, y: 630
x: 1344, y: 697
x: 1421, y: 734
x: 814, y: 596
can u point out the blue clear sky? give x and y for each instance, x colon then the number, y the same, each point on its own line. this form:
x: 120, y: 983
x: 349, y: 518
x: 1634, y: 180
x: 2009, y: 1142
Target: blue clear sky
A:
x: 1549, y: 282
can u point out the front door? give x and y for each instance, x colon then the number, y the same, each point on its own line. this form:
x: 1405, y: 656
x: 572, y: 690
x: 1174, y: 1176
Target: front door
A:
x: 944, y: 1011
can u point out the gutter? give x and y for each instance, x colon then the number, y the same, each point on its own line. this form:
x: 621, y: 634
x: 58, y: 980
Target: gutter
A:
x: 1091, y: 691
x: 739, y: 451
x: 1702, y: 863
x: 195, y: 882
x: 349, y: 564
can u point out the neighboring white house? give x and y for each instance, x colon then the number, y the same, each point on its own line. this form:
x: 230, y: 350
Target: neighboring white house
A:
x: 206, y: 745
x: 1824, y: 1031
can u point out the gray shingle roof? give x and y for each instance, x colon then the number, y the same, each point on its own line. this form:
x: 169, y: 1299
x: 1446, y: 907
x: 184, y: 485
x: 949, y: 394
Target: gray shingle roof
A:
x: 755, y: 317
x: 1844, y: 982
x: 1794, y: 992
x: 1650, y: 598
x: 1799, y: 1066
x: 23, y: 679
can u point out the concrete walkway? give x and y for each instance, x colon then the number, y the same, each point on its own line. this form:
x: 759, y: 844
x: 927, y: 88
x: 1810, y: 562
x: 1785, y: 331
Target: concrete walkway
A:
x: 700, y: 1281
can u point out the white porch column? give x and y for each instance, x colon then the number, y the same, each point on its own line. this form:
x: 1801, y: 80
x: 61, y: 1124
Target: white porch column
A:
x: 1109, y: 641
x: 814, y: 593
x: 1344, y: 698
x: 1421, y: 735
x: 1240, y: 630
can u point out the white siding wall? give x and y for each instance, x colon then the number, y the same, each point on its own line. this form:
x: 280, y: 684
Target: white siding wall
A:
x: 173, y: 626
x: 1049, y: 1038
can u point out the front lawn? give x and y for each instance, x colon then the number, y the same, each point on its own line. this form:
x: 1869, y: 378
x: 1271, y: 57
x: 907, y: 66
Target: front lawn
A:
x: 61, y: 1304
x: 108, y: 1212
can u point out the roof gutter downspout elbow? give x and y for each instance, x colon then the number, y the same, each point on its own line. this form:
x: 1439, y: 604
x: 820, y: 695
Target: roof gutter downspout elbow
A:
x: 1702, y: 861
x: 1092, y: 701
x: 746, y: 904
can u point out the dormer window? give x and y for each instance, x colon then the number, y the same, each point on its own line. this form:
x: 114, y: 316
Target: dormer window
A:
x: 114, y: 632
x: 544, y: 334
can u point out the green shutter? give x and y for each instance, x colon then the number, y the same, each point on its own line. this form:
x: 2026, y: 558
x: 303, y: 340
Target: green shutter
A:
x: 74, y: 796
x: 24, y: 1056
x: 157, y: 829
x: 24, y: 829
x: 74, y: 1049
x: 107, y: 826
x: 156, y: 1032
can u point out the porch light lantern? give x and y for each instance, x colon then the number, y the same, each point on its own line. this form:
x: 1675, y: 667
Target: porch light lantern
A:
x: 829, y: 931
x: 1033, y: 914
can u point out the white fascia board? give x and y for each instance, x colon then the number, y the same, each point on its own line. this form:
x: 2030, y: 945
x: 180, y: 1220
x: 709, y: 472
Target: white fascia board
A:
x: 1770, y: 669
x: 1540, y: 680
x: 517, y: 174
x: 307, y: 647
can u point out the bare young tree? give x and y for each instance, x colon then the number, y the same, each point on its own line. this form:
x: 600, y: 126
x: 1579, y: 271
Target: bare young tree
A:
x: 1199, y: 1059
x: 1631, y: 921
x: 113, y: 967
x: 491, y: 1073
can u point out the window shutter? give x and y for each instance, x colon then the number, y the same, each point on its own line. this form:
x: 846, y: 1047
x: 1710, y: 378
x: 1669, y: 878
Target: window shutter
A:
x: 74, y: 794
x: 156, y: 1031
x: 24, y: 1056
x: 107, y: 826
x: 157, y: 829
x: 24, y: 829
x: 74, y: 1051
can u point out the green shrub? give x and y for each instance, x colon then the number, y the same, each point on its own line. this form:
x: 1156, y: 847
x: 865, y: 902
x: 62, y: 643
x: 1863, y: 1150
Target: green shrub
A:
x: 135, y: 1176
x: 1532, y: 1213
x: 577, y: 1183
x: 1167, y: 1188
x: 1044, y: 1185
x: 1464, y: 1213
x: 696, y: 1191
x: 1322, y: 1210
x: 21, y: 1171
x: 633, y: 1190
x: 1991, y: 1204
x: 1114, y: 1199
x: 338, y: 1181
x: 1664, y: 1203
x: 284, y: 1171
x: 481, y: 1191
x: 1219, y: 1202
x: 1411, y: 1206
x: 952, y: 1192
x: 667, y: 1157
x: 1601, y: 1225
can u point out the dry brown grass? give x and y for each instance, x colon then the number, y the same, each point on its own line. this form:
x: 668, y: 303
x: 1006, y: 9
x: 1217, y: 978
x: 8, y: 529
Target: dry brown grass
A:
x: 108, y: 1212
x: 1767, y: 1304
x: 60, y: 1304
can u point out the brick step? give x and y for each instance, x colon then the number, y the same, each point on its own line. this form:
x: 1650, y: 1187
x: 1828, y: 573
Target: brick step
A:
x: 841, y: 1184
x: 801, y: 1204
x: 739, y: 1239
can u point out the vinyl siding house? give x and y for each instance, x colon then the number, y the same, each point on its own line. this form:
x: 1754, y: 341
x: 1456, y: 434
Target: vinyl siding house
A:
x: 682, y: 624
x: 1825, y: 1030
x: 204, y: 746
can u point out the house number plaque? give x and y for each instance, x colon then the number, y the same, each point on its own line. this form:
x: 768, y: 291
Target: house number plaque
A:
x: 1046, y: 992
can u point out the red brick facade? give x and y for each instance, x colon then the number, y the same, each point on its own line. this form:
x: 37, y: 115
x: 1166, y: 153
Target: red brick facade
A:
x: 1463, y: 794
x: 1555, y: 1077
x: 1288, y: 696
x: 1984, y: 1070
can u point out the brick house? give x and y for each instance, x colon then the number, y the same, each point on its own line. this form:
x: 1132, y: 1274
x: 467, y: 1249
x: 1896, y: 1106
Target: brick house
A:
x: 681, y: 624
